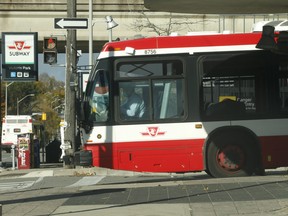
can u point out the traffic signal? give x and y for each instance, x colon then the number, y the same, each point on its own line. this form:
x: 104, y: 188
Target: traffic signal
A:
x: 43, y: 116
x: 50, y: 50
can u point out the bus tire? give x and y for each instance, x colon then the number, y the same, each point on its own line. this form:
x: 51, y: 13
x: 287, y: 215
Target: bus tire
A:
x: 208, y: 172
x: 231, y: 155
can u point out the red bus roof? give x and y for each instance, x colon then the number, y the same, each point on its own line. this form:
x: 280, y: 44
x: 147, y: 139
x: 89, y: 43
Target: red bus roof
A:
x: 195, y: 41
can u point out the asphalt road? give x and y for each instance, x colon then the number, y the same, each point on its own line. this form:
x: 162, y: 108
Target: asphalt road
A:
x: 51, y: 192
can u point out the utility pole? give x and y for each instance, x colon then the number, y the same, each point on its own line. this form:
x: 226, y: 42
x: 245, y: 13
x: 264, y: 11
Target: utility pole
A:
x: 70, y: 94
x: 1, y: 131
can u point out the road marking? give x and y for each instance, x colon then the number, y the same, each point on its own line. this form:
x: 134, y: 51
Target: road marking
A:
x: 16, y: 185
x: 87, y: 180
x: 38, y: 174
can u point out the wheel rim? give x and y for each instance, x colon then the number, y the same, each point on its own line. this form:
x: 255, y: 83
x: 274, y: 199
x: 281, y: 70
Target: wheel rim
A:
x: 231, y: 158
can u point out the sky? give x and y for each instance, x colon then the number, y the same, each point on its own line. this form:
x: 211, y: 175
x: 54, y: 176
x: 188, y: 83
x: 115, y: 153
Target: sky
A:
x: 58, y: 70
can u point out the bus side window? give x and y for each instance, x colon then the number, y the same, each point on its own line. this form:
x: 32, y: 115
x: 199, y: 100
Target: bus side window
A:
x: 285, y: 106
x: 168, y: 99
x: 283, y: 88
x: 226, y: 107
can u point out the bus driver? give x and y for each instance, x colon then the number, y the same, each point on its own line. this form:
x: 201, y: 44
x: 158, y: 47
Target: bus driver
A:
x: 133, y: 106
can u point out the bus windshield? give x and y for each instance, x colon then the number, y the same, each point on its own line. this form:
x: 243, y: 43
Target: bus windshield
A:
x: 98, y: 98
x: 142, y: 91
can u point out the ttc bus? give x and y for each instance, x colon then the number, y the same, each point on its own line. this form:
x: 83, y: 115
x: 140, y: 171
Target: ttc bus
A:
x: 213, y: 103
x: 12, y: 126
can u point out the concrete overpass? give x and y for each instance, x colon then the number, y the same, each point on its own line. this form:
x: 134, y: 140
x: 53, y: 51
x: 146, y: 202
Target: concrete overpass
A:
x: 38, y: 16
x: 219, y: 6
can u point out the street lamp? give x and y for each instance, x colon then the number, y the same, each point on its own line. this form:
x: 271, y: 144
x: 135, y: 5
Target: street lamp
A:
x: 6, y: 97
x: 18, y: 101
x: 110, y: 24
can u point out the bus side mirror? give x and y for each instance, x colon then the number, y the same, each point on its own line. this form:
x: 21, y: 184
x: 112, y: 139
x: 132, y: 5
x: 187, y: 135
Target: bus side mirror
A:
x: 81, y: 116
x: 81, y: 111
x: 267, y: 41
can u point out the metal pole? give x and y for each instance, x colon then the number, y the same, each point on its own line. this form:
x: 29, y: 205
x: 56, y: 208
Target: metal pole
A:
x: 17, y: 107
x: 90, y: 22
x: 18, y: 101
x: 6, y: 98
x: 110, y: 35
x: 13, y: 156
x: 0, y: 144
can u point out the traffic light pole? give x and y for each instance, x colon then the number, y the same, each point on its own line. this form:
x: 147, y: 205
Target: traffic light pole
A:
x: 70, y: 94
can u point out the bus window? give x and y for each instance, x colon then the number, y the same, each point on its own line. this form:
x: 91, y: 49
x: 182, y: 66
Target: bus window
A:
x: 283, y: 88
x: 261, y: 87
x: 230, y: 91
x: 159, y: 84
x: 134, y: 100
x: 99, y: 100
x: 168, y: 99
x: 149, y: 69
x: 228, y: 95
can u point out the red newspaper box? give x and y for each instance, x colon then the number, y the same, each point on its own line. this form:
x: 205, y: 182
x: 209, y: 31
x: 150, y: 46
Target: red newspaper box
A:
x: 24, y: 152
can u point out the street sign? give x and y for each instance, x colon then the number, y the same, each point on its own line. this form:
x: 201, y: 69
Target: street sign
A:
x: 70, y: 23
x: 19, y: 56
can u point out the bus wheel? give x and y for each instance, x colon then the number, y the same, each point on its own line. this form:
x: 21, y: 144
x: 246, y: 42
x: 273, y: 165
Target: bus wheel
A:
x: 230, y: 156
x: 208, y: 172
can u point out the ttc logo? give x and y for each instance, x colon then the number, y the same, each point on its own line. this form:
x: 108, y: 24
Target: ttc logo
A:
x: 153, y: 131
x: 19, y: 45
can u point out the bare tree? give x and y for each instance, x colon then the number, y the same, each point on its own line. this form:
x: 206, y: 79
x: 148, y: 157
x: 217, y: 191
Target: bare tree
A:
x: 172, y: 24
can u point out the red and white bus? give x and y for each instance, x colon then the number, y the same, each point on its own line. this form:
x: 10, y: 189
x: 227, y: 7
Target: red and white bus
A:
x: 214, y: 103
x: 12, y: 126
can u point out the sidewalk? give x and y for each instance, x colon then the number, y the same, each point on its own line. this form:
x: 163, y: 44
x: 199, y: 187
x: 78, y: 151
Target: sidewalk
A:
x: 125, y: 193
x: 182, y: 196
x: 58, y: 170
